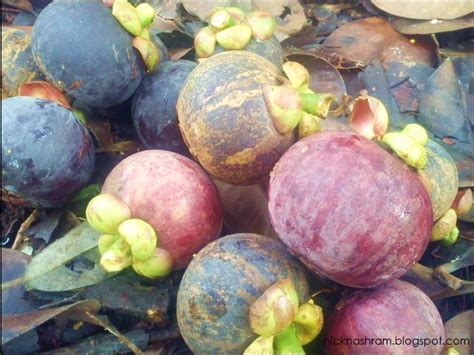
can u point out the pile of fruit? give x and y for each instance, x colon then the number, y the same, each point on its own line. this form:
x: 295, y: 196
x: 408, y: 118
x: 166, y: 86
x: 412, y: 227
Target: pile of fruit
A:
x: 352, y: 209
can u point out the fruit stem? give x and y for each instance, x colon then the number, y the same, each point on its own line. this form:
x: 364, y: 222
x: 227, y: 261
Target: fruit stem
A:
x: 287, y: 342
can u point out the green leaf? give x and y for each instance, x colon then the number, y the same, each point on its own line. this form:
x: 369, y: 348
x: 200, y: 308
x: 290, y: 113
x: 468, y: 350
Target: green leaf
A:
x: 46, y: 271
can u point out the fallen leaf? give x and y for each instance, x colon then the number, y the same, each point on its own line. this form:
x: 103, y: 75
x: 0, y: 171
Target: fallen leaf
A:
x: 442, y: 107
x: 131, y: 295
x: 357, y: 43
x: 13, y: 266
x: 461, y: 327
x: 79, y: 240
x: 378, y: 86
x: 15, y: 325
x: 62, y: 278
x: 44, y: 90
x: 425, y: 27
x: 426, y: 10
x: 324, y: 77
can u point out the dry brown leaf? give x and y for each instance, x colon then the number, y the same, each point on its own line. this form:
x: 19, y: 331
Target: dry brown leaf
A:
x: 425, y: 27
x: 357, y: 43
x: 426, y: 10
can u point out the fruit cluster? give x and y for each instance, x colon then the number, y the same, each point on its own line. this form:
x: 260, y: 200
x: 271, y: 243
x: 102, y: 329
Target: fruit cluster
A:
x: 126, y: 241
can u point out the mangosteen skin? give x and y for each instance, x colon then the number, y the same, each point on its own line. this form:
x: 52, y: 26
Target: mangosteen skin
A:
x: 224, y: 119
x: 221, y: 283
x: 47, y: 154
x: 154, y: 106
x: 83, y: 50
x: 393, y: 310
x: 18, y: 65
x: 350, y: 210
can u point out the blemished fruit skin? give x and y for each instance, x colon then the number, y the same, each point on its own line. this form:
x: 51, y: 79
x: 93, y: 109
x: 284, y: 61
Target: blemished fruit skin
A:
x: 83, y: 50
x: 396, y: 310
x: 174, y: 195
x: 154, y: 106
x: 269, y: 49
x: 47, y: 154
x: 18, y: 65
x: 224, y: 119
x: 443, y: 178
x: 349, y: 210
x: 221, y: 283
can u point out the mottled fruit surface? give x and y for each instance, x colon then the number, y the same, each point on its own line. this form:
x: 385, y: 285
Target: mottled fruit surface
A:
x: 442, y: 178
x: 83, y: 50
x: 221, y: 283
x: 47, y: 154
x: 154, y: 106
x: 349, y: 209
x: 174, y: 195
x: 18, y: 65
x: 392, y: 311
x: 224, y: 119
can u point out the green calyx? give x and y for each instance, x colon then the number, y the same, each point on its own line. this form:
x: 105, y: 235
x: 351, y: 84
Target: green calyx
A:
x: 148, y: 51
x: 282, y: 325
x: 451, y: 238
x: 444, y: 225
x: 117, y: 258
x: 235, y: 37
x: 232, y: 30
x: 262, y: 24
x: 105, y: 212
x: 309, y: 125
x: 317, y: 103
x: 221, y: 18
x: 295, y: 104
x: 412, y: 152
x: 205, y: 42
x: 140, y: 236
x: 146, y: 14
x: 126, y: 241
x: 285, y: 107
x: 137, y: 20
x: 416, y: 132
x: 128, y: 17
x: 275, y: 309
x: 308, y: 322
x: 106, y: 241
x: 158, y: 265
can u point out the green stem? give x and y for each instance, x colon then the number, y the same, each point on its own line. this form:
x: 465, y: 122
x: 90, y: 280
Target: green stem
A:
x: 286, y: 342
